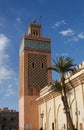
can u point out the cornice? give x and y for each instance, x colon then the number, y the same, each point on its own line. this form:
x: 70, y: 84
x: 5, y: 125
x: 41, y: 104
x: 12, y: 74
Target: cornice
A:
x: 44, y: 39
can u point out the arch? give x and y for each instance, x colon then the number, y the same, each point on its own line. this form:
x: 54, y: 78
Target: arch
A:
x: 57, y: 115
x: 61, y: 118
x: 49, y: 119
x: 74, y: 112
x: 42, y: 118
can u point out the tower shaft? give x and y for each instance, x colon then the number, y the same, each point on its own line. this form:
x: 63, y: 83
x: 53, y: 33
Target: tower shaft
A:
x: 35, y: 57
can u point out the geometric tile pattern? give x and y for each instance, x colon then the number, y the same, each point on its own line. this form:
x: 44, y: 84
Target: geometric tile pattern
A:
x: 37, y: 74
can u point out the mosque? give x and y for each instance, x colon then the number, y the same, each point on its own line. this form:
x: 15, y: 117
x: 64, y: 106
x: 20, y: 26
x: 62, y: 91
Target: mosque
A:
x: 39, y: 107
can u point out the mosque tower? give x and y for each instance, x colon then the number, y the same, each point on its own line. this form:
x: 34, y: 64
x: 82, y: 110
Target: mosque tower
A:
x: 34, y: 57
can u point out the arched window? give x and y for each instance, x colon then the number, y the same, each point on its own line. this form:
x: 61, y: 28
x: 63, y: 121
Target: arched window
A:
x: 34, y: 33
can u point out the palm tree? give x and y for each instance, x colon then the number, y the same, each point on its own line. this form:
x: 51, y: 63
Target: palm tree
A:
x: 62, y: 65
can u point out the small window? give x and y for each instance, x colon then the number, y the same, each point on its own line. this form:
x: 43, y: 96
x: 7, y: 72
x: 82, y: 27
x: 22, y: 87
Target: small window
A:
x: 42, y: 65
x: 4, y: 119
x: 33, y: 65
x: 52, y: 125
x: 34, y: 33
x: 12, y: 119
x: 3, y: 127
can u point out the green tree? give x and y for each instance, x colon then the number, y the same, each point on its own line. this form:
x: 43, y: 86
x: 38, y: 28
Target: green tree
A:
x: 62, y: 65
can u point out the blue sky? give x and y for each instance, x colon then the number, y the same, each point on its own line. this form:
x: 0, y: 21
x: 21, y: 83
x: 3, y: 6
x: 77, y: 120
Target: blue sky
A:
x: 62, y: 21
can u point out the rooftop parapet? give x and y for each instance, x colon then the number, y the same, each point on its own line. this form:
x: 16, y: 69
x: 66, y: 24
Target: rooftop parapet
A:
x: 77, y: 69
x: 6, y: 110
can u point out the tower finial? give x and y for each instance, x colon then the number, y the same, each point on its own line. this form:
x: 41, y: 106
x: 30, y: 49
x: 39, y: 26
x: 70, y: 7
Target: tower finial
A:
x: 34, y: 19
x: 40, y: 18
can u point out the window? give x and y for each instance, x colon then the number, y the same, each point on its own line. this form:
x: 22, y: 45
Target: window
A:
x: 4, y: 119
x: 3, y: 127
x: 33, y: 65
x: 34, y: 33
x: 52, y: 125
x: 42, y: 65
x: 12, y: 119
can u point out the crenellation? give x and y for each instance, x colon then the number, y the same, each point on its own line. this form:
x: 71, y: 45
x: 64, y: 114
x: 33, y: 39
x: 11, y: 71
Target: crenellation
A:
x: 79, y: 66
x: 77, y: 69
x: 83, y: 64
x: 67, y: 75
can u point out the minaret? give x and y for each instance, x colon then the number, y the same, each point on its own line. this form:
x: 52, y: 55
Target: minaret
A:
x: 35, y: 57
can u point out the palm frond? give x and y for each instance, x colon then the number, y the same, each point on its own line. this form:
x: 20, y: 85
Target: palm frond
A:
x: 62, y: 65
x: 56, y: 87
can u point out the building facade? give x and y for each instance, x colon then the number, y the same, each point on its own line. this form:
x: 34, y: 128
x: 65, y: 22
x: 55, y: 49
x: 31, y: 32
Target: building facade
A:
x: 51, y: 106
x: 35, y: 57
x: 39, y: 107
x: 9, y: 119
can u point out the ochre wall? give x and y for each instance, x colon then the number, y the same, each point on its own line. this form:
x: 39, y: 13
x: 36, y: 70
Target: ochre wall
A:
x: 21, y: 113
x: 31, y: 112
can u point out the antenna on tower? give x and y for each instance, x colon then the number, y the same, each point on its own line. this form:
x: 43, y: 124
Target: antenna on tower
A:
x: 34, y: 19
